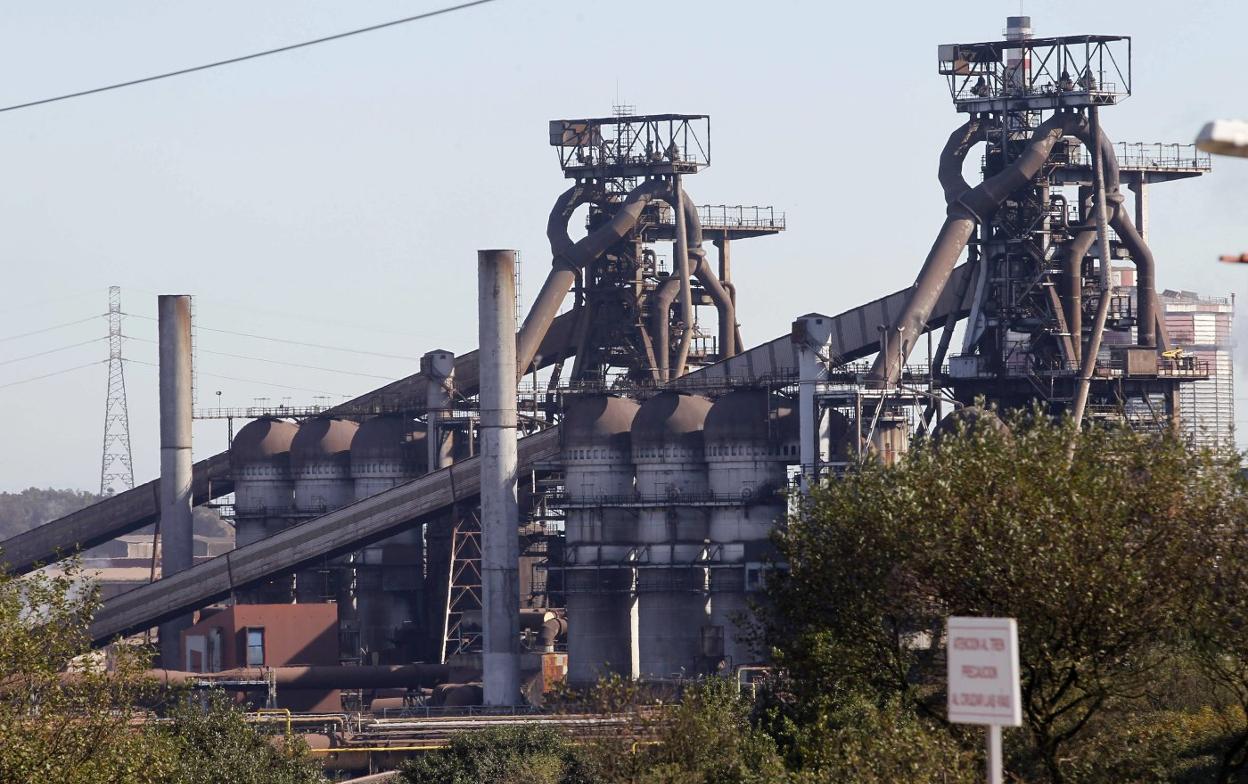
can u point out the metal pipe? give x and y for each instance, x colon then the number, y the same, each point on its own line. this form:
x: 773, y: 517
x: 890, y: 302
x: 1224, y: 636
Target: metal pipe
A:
x: 976, y: 204
x: 702, y: 271
x: 177, y: 538
x: 682, y: 270
x: 500, y: 514
x: 1076, y: 251
x: 1102, y: 306
x: 571, y: 257
x: 318, y: 676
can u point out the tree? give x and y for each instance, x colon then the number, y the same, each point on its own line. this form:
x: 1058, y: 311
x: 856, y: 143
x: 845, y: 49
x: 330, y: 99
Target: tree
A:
x: 520, y: 754
x: 1099, y: 556
x: 68, y: 714
x: 1219, y: 628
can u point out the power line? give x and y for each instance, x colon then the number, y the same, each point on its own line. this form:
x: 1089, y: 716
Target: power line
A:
x: 247, y: 380
x: 49, y: 329
x: 244, y: 58
x: 53, y: 350
x: 293, y: 342
x: 273, y: 361
x: 50, y: 375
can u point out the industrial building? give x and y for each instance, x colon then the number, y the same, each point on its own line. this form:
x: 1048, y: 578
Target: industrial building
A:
x: 617, y: 505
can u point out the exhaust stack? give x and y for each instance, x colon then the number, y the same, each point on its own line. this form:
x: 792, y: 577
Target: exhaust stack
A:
x: 500, y: 514
x: 177, y: 544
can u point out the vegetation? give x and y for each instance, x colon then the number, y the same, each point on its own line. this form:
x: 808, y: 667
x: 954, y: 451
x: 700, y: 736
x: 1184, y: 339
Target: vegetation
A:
x: 1101, y: 557
x: 66, y: 717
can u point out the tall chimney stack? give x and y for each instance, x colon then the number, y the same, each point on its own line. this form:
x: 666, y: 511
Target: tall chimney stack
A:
x: 176, y: 536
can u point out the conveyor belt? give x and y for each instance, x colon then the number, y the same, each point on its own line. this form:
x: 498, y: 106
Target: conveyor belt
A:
x: 854, y: 336
x: 126, y: 512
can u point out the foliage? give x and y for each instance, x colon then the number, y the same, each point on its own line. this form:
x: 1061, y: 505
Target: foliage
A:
x: 708, y: 739
x: 1099, y: 556
x: 520, y: 754
x: 213, y: 744
x: 858, y: 740
x: 69, y: 715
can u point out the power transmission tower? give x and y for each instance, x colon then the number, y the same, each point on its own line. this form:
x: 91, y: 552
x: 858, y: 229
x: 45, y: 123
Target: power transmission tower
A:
x: 116, y: 468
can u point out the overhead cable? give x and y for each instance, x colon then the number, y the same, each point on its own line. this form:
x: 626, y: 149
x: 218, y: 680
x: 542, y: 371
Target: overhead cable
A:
x: 201, y: 350
x: 245, y: 380
x: 243, y: 58
x: 49, y: 329
x: 53, y: 350
x: 362, y: 352
x: 50, y: 375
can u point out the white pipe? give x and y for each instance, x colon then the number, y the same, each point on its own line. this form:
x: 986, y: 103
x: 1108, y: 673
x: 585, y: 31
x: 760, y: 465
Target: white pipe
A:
x: 177, y: 542
x: 500, y: 515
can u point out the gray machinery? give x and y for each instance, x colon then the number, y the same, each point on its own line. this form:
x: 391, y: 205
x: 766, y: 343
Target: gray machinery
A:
x: 661, y: 448
x: 1038, y: 233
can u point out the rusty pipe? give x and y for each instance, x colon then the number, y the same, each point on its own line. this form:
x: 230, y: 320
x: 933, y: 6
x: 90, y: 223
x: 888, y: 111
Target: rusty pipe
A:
x: 976, y: 204
x: 704, y: 273
x: 681, y: 268
x: 317, y: 676
x: 570, y: 258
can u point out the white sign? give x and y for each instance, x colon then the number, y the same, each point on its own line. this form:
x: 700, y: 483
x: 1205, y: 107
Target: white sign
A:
x: 983, y: 672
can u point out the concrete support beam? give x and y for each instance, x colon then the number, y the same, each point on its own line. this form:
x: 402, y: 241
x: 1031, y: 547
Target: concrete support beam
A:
x: 438, y: 367
x: 811, y: 337
x: 176, y: 535
x: 500, y: 514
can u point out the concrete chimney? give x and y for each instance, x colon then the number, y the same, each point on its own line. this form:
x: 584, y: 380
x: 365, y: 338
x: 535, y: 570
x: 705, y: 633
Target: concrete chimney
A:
x: 500, y: 514
x: 176, y: 536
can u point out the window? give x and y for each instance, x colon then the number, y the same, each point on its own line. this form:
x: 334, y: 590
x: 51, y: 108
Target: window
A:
x: 255, y: 647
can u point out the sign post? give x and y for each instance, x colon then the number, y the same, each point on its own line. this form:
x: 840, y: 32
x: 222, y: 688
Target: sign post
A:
x: 983, y: 679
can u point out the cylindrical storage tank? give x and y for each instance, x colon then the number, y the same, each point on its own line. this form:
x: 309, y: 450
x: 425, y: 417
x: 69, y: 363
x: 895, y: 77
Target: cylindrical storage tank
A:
x: 320, y: 461
x: 388, y: 575
x: 672, y: 595
x: 601, y: 605
x: 263, y: 493
x: 751, y: 437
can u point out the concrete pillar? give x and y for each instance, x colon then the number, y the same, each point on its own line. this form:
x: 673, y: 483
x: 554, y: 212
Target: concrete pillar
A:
x: 812, y: 335
x: 500, y: 514
x: 1140, y: 187
x: 177, y: 543
x: 438, y: 367
x: 724, y: 246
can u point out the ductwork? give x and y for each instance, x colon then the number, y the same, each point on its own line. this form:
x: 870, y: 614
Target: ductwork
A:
x: 969, y: 206
x: 570, y: 258
x: 663, y: 297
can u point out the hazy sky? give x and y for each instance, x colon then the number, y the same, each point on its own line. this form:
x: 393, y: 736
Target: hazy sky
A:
x: 337, y: 194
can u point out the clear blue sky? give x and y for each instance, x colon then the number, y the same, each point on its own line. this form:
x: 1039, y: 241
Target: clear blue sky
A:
x: 338, y: 194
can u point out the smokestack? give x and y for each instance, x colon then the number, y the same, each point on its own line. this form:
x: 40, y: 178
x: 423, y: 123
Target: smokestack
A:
x: 176, y: 548
x: 500, y: 514
x: 1018, y: 61
x: 438, y: 368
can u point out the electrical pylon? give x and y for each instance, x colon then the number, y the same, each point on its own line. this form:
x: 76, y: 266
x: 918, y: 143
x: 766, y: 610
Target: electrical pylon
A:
x: 116, y: 468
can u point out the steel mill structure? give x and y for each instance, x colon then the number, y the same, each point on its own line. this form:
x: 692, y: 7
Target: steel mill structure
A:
x: 597, y: 496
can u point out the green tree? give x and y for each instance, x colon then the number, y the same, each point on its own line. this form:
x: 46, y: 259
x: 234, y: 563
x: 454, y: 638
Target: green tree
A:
x: 707, y: 738
x: 520, y: 754
x: 68, y: 714
x: 1099, y: 556
x: 212, y: 743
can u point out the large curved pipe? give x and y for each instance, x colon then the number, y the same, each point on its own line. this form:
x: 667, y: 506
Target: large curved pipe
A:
x: 570, y: 258
x: 682, y: 268
x: 976, y: 204
x: 663, y: 297
x: 1150, y: 330
x: 725, y: 302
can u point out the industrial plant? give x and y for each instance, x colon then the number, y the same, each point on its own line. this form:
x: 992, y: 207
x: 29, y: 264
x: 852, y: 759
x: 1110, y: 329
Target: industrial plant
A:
x: 595, y: 493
